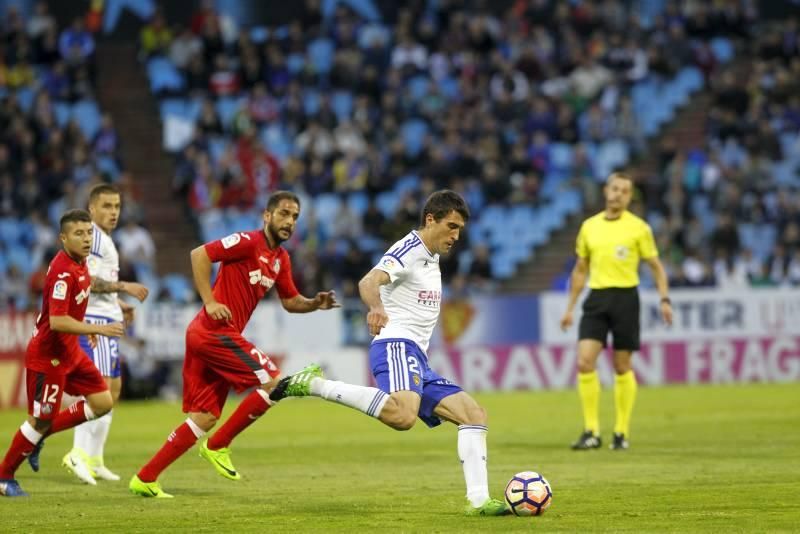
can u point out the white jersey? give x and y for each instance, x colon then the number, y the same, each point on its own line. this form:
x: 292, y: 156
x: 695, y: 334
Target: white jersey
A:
x: 413, y: 297
x: 103, y: 264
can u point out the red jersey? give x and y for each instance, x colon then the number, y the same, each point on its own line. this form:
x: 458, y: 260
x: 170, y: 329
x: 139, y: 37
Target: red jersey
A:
x: 249, y: 269
x: 66, y: 292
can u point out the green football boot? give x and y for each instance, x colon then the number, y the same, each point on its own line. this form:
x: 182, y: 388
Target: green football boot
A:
x: 221, y: 460
x: 298, y: 384
x: 490, y: 507
x: 147, y: 489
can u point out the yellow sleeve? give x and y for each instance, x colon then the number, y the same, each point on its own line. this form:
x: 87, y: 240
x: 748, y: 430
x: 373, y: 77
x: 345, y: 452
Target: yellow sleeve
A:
x: 647, y: 244
x: 581, y: 246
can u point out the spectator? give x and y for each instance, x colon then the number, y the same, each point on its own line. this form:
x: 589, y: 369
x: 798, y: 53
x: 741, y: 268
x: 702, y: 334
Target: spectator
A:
x: 155, y: 37
x: 136, y: 244
x: 76, y: 45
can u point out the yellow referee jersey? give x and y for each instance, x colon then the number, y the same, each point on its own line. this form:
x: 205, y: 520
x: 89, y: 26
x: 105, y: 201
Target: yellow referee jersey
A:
x: 614, y: 248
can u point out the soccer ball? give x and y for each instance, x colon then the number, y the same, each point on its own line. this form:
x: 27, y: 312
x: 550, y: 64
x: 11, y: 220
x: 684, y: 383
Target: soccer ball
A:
x: 528, y: 493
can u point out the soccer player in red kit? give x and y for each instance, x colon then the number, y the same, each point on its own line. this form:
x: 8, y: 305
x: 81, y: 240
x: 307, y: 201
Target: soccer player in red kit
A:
x: 54, y: 361
x: 217, y: 356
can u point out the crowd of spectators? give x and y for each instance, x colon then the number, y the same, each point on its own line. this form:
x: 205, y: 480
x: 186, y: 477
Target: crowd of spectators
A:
x: 48, y: 162
x: 727, y: 213
x: 452, y: 95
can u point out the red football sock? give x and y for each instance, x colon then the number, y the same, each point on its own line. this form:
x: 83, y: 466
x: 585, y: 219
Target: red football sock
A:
x: 72, y: 416
x: 252, y: 407
x: 180, y: 441
x: 19, y: 449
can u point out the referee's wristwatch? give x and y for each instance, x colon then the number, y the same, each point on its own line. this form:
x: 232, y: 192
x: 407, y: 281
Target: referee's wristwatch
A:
x: 665, y: 300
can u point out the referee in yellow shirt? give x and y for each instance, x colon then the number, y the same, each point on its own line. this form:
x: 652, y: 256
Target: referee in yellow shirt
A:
x: 609, y: 248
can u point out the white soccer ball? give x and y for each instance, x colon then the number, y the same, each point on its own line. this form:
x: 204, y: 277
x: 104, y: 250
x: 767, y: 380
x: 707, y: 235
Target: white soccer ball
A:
x: 528, y: 493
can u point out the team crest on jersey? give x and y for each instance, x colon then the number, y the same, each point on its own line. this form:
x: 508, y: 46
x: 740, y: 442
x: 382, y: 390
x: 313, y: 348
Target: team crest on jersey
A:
x: 621, y: 252
x: 60, y: 290
x: 55, y: 362
x: 416, y: 380
x: 47, y: 409
x: 231, y: 240
x: 389, y: 263
x: 276, y: 267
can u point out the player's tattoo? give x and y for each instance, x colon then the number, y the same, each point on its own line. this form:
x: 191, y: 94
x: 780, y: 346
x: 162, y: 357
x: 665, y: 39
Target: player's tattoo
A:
x: 104, y: 286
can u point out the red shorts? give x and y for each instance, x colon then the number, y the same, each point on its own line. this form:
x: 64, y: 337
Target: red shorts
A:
x: 217, y: 361
x: 45, y: 388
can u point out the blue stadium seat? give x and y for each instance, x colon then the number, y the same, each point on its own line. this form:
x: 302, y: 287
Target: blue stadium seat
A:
x: 227, y: 106
x: 387, y: 202
x: 326, y: 206
x: 320, y: 55
x: 560, y: 156
x: 277, y: 142
x: 9, y: 231
x: 259, y: 34
x: 87, y: 115
x: 358, y: 202
x: 25, y: 98
x: 164, y: 76
x: 20, y: 257
x: 723, y: 49
x: 310, y: 101
x: 295, y: 62
x: 342, y: 104
x: 414, y: 132
x: 178, y: 287
x: 62, y: 112
x: 418, y: 87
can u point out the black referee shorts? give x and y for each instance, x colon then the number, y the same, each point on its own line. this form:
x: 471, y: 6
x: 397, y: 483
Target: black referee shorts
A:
x: 614, y: 310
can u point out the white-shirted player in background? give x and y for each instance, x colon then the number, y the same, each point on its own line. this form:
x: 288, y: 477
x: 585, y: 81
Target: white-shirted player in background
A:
x: 403, y: 293
x: 85, y: 459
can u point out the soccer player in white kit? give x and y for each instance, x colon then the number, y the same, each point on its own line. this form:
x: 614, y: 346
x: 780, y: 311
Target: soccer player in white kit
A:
x: 403, y: 293
x: 85, y: 459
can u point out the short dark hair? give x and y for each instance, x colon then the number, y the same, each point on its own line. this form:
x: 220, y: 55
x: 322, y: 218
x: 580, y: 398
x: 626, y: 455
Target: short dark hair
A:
x: 102, y: 189
x: 72, y: 216
x: 276, y: 197
x: 440, y: 203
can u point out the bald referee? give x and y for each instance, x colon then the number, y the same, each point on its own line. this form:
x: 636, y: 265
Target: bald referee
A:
x: 609, y: 248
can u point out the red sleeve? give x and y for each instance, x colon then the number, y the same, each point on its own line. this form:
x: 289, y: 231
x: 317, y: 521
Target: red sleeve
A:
x: 61, y: 294
x: 285, y: 282
x: 232, y: 248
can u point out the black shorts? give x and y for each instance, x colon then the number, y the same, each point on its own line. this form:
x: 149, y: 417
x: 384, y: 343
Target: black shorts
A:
x: 614, y: 310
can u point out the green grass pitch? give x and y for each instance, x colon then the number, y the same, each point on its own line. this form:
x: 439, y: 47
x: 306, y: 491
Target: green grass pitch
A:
x: 703, y: 459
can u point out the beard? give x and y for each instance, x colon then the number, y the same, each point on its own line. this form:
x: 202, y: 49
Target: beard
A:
x: 274, y: 231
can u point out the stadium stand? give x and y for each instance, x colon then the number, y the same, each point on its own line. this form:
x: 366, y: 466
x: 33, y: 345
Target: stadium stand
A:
x: 522, y: 111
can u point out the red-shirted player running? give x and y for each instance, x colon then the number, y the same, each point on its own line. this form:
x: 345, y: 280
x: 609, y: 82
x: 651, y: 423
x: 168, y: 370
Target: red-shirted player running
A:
x: 217, y: 356
x: 54, y: 361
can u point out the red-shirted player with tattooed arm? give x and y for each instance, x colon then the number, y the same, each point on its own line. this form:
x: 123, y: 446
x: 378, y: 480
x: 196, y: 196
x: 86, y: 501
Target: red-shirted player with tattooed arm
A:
x: 217, y: 356
x: 54, y: 361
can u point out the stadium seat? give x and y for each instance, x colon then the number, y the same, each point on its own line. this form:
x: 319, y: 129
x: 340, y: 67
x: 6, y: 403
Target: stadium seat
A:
x: 178, y: 287
x: 342, y: 104
x: 87, y: 115
x: 358, y: 202
x: 164, y: 76
x: 723, y: 49
x: 320, y: 55
x: 259, y: 34
x: 387, y: 202
x: 227, y: 107
x: 414, y: 132
x: 327, y: 206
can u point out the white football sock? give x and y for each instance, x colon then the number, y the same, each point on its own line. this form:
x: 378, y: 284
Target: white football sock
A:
x: 362, y: 398
x: 98, y: 435
x: 83, y: 436
x: 472, y: 453
x: 30, y: 433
